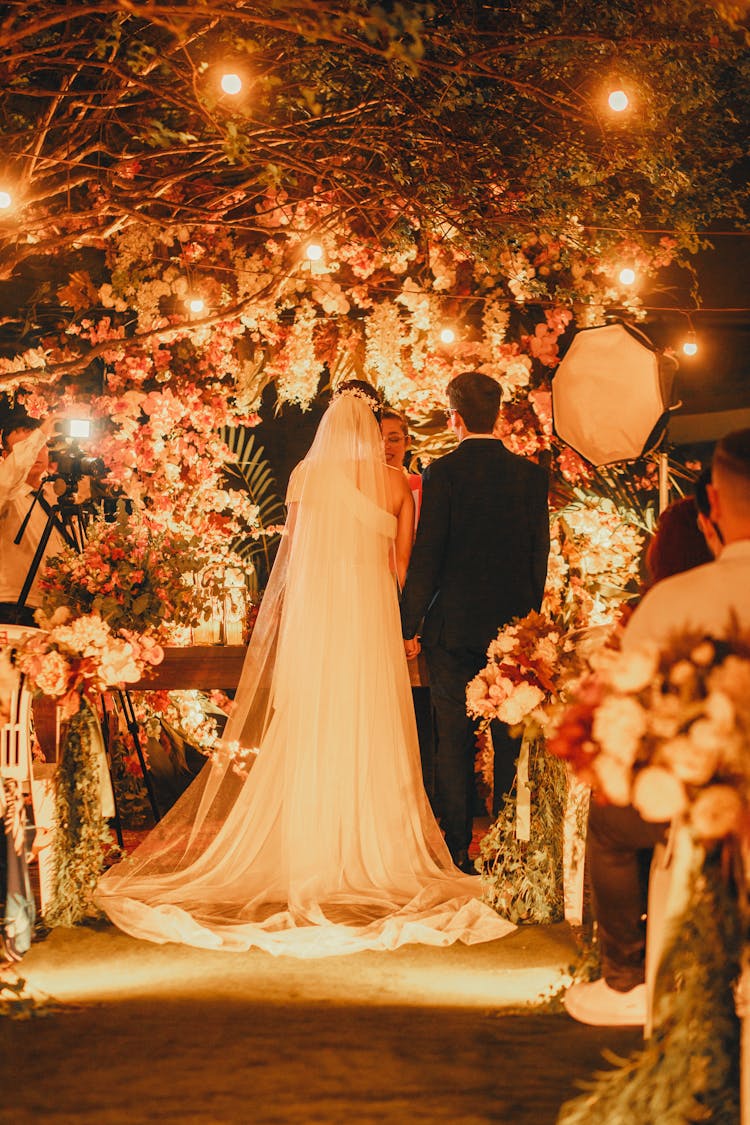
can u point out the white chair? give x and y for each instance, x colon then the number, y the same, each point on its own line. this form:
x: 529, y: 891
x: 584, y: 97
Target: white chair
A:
x: 16, y: 762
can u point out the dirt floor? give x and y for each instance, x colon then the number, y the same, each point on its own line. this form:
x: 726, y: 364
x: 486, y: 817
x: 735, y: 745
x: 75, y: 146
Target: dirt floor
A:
x: 119, y: 1031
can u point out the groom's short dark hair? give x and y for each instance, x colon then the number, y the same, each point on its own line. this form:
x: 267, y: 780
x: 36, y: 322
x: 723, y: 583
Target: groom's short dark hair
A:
x: 477, y: 399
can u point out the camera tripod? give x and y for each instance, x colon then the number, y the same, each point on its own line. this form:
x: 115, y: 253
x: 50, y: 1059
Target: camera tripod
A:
x: 69, y: 519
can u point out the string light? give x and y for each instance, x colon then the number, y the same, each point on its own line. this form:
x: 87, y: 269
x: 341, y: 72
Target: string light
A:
x: 6, y: 200
x: 196, y: 304
x: 231, y: 83
x: 690, y: 346
x: 447, y: 336
x: 618, y: 101
x: 627, y: 276
x: 314, y: 252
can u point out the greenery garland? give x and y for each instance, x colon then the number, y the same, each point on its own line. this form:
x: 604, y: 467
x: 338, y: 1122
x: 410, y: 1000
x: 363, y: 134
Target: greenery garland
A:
x: 523, y: 879
x: 689, y: 1069
x: 81, y: 833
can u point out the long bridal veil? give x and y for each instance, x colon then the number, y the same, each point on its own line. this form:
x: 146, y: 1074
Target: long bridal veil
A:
x: 309, y: 832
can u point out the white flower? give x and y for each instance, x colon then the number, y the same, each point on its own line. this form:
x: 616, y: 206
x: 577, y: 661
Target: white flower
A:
x: 613, y: 778
x: 720, y: 710
x: 691, y: 762
x: 619, y: 724
x: 634, y: 670
x: 706, y: 736
x: 118, y: 664
x: 521, y: 701
x: 703, y: 654
x: 547, y: 648
x: 716, y: 812
x: 658, y: 795
x: 682, y: 673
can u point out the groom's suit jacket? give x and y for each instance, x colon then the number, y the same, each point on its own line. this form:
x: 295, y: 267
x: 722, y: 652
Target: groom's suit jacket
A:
x: 480, y: 555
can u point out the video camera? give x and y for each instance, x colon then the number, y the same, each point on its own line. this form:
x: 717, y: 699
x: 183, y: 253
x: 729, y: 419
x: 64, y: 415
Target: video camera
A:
x: 69, y: 462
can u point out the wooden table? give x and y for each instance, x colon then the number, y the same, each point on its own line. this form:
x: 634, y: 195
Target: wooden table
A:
x: 195, y: 666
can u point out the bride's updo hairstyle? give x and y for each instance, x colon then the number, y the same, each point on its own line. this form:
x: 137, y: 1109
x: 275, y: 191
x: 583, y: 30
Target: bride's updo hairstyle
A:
x: 358, y: 388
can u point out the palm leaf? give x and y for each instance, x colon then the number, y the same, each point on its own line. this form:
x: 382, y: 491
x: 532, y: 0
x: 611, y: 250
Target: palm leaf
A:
x: 250, y: 472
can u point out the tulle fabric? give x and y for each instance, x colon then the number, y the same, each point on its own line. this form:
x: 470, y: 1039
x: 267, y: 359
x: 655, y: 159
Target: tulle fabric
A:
x: 328, y: 845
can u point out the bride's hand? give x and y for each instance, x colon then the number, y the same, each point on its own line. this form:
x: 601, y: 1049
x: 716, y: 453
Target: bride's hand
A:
x: 412, y: 647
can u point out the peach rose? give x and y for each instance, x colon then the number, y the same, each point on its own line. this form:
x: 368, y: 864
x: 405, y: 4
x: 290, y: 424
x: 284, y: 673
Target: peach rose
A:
x: 716, y: 812
x: 658, y: 795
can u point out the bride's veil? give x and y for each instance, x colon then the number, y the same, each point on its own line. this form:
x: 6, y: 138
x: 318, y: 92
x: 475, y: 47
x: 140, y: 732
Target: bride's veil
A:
x: 304, y: 641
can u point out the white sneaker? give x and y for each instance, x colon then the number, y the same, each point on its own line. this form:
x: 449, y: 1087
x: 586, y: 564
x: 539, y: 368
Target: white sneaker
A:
x: 597, y: 1004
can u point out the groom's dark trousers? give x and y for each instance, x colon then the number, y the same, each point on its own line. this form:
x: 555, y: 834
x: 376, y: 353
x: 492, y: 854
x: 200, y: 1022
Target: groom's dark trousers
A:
x: 479, y: 560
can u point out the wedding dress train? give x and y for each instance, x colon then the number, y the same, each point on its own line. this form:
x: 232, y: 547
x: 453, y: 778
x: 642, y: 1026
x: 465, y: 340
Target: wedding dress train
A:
x: 327, y: 845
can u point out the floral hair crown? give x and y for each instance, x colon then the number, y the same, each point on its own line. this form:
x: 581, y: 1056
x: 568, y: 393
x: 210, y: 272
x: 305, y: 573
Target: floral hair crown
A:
x: 353, y: 390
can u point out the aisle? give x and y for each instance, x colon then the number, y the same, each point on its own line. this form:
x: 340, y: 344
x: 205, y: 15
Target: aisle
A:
x: 146, y: 1033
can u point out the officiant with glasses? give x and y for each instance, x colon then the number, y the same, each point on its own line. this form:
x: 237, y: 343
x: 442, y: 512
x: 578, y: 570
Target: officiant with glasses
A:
x: 23, y: 470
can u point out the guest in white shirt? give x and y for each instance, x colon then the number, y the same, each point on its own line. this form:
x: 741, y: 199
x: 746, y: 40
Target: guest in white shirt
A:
x: 22, y: 471
x: 705, y: 599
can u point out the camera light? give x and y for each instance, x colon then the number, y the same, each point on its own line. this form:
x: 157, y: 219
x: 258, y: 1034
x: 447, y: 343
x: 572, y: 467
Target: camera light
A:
x: 447, y: 336
x: 196, y: 304
x: 79, y: 428
x: 627, y: 276
x: 618, y: 101
x: 314, y: 252
x: 6, y: 200
x: 231, y: 83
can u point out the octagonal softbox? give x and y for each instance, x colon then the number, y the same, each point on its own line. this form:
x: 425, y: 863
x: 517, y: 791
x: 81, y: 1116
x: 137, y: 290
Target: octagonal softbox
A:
x: 611, y: 394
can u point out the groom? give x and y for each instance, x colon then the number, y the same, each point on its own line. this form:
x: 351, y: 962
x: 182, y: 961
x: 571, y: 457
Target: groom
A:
x: 479, y: 560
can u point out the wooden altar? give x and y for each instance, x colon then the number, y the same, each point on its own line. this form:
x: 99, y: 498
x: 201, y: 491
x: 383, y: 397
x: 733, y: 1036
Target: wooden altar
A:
x: 195, y: 666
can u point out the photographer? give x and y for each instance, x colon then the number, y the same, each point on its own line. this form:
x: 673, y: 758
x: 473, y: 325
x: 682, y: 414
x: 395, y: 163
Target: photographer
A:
x: 22, y: 471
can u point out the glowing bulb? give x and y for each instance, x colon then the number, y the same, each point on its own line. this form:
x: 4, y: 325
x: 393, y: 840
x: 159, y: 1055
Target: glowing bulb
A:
x: 314, y: 252
x: 627, y: 276
x: 447, y: 336
x: 231, y: 83
x: 618, y: 101
x: 196, y: 304
x: 690, y: 347
x: 6, y: 199
x: 79, y: 428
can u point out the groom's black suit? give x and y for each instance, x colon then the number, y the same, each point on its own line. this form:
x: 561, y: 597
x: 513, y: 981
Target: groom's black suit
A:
x: 479, y: 560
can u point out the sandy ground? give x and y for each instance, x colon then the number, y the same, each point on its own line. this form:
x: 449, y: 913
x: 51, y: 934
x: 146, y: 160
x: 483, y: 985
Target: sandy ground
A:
x: 125, y: 1031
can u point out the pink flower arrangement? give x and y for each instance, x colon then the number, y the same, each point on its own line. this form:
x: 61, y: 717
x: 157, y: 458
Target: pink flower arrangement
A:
x: 82, y: 659
x: 667, y: 731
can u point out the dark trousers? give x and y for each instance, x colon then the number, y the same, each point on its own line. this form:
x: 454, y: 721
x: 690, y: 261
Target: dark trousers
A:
x: 455, y: 744
x: 619, y: 849
x: 426, y: 735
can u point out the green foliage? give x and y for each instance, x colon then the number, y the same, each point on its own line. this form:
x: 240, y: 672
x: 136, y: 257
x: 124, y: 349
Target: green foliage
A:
x: 523, y: 880
x: 252, y: 472
x: 81, y: 835
x: 688, y: 1070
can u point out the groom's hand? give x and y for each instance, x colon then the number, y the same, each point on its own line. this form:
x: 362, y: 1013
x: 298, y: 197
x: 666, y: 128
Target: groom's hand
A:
x: 412, y: 647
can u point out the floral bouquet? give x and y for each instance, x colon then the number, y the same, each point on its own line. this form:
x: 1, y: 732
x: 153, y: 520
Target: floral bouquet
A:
x: 668, y: 731
x: 129, y: 574
x: 525, y: 665
x: 78, y: 661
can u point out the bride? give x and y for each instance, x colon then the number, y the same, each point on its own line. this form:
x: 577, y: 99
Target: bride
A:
x: 310, y: 833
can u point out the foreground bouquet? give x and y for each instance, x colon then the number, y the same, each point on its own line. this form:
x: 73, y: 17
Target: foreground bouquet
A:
x: 668, y: 731
x: 76, y: 662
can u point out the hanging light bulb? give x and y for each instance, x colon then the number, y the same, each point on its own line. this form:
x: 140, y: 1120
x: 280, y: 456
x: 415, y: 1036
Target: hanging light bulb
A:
x: 627, y: 276
x: 231, y: 83
x: 196, y: 304
x: 618, y: 101
x: 447, y: 336
x: 690, y: 345
x: 314, y: 252
x: 6, y: 200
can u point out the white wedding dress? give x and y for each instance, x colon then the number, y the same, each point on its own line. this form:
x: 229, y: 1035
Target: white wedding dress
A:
x: 328, y: 844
